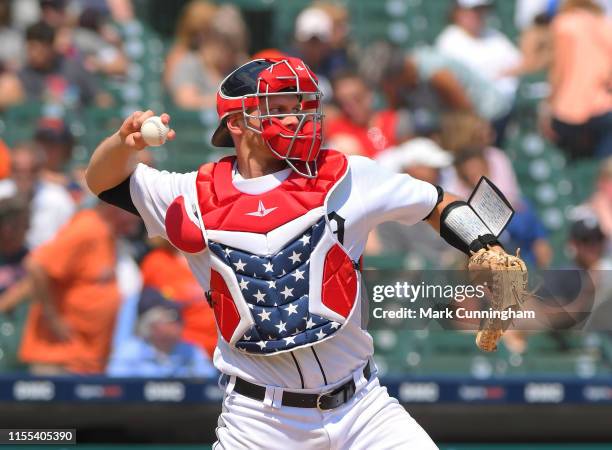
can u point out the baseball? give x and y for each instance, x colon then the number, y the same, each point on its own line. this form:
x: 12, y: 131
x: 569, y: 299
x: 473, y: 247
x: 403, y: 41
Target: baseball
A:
x: 154, y: 131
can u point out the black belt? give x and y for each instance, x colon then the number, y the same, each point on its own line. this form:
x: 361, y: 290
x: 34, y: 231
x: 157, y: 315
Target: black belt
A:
x: 324, y: 401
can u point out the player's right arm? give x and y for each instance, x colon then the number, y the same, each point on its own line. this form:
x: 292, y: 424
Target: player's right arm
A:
x: 115, y: 158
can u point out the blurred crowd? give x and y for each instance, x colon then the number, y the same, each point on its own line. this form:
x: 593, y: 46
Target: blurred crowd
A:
x: 102, y: 298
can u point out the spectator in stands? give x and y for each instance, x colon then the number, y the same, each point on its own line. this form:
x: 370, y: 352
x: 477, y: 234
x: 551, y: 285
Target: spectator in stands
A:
x: 193, y: 27
x: 166, y: 270
x: 580, y: 101
x: 525, y: 230
x: 599, y: 205
x: 13, y: 45
x: 228, y: 21
x: 159, y: 350
x: 11, y: 91
x: 53, y: 13
x: 587, y: 245
x: 359, y: 129
x: 461, y: 131
x: 579, y: 295
x: 57, y: 142
x: 60, y: 15
x: 426, y: 79
x: 486, y: 51
x: 423, y: 159
x: 51, y: 77
x: 75, y: 294
x: 313, y: 35
x: 590, y: 286
x: 342, y: 49
x: 99, y: 44
x: 197, y: 76
x: 51, y: 206
x: 14, y: 287
x: 11, y: 58
x: 536, y: 47
x: 122, y: 11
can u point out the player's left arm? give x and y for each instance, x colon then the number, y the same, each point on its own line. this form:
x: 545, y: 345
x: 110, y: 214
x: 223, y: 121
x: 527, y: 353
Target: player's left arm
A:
x: 388, y: 196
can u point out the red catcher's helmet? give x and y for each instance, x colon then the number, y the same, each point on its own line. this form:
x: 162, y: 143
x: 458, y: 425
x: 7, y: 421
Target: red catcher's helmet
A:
x: 248, y: 90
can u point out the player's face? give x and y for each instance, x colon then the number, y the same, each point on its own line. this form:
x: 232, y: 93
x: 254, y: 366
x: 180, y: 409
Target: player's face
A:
x: 283, y: 104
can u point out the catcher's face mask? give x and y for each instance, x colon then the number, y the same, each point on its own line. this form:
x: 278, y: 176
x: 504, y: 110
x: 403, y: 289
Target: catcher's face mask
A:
x: 250, y: 90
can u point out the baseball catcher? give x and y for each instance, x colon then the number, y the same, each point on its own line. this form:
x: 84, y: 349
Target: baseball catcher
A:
x: 274, y: 234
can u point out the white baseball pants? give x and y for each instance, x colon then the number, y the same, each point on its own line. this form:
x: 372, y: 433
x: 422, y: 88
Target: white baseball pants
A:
x: 371, y: 420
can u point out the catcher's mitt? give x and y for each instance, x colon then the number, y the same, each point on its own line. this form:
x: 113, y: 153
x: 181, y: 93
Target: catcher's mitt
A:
x: 506, y: 280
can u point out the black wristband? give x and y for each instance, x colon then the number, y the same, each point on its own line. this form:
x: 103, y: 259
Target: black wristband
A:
x: 484, y: 241
x: 449, y: 235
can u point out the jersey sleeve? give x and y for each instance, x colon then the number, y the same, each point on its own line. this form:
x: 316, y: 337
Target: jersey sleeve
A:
x: 153, y: 191
x: 388, y: 196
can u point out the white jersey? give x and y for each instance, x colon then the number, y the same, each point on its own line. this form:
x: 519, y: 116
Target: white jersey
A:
x: 367, y: 196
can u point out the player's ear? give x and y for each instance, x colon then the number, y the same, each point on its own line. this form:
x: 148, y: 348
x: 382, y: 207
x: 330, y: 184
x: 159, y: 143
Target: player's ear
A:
x: 235, y: 124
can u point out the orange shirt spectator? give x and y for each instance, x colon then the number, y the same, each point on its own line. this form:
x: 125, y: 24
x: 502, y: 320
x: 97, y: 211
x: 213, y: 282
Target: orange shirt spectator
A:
x: 581, y: 75
x: 5, y: 161
x: 79, y: 267
x: 167, y: 270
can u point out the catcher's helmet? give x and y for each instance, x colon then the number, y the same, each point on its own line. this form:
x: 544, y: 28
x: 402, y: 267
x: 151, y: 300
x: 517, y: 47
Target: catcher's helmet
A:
x: 248, y: 90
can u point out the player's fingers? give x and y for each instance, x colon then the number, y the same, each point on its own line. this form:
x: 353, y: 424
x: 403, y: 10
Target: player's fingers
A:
x: 165, y: 118
x: 134, y: 117
x: 128, y: 124
x: 171, y: 135
x: 144, y: 116
x: 136, y: 141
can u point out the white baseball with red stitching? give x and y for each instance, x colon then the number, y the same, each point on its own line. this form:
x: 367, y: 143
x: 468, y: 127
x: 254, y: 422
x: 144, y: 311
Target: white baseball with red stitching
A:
x: 154, y: 131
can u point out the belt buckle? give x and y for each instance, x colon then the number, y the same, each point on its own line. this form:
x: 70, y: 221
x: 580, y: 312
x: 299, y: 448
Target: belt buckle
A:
x: 319, y: 397
x: 329, y: 394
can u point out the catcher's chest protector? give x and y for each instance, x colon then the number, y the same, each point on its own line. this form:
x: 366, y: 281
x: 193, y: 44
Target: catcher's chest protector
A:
x: 279, y: 278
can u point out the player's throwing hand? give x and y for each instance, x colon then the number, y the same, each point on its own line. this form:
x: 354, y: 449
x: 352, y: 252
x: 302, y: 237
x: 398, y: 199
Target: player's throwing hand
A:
x: 130, y: 134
